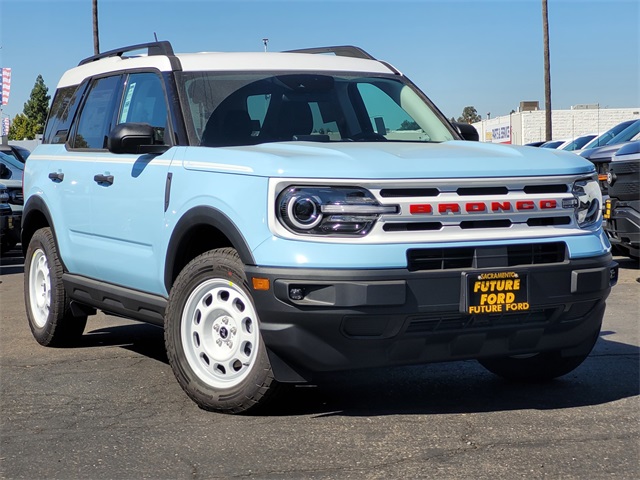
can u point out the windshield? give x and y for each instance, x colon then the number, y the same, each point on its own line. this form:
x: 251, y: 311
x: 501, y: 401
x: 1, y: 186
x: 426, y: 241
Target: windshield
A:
x: 608, y: 135
x: 247, y: 109
x: 626, y: 134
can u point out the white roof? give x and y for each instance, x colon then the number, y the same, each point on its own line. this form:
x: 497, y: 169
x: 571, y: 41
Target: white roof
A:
x: 226, y: 62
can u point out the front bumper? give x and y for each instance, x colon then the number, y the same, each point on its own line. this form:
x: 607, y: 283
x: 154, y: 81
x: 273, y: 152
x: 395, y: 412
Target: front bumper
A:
x: 316, y: 320
x: 623, y: 223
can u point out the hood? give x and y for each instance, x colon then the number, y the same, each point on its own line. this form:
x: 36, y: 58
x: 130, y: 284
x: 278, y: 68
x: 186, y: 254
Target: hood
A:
x: 454, y: 159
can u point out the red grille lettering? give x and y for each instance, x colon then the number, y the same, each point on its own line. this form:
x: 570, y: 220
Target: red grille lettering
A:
x: 475, y: 207
x: 500, y: 206
x: 420, y: 208
x: 525, y: 205
x: 448, y: 208
x: 546, y: 204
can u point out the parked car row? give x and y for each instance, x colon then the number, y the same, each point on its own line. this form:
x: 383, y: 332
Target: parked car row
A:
x: 11, y: 201
x: 616, y: 155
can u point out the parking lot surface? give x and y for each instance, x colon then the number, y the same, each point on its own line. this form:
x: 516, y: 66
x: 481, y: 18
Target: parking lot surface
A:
x: 111, y: 408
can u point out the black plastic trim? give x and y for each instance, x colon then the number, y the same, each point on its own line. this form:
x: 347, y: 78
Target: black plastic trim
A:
x: 209, y: 216
x: 115, y: 299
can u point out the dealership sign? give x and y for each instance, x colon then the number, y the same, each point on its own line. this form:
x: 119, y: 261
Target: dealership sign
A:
x: 501, y: 133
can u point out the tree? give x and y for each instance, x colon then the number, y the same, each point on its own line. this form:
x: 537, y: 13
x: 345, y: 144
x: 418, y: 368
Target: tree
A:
x: 20, y: 129
x: 409, y: 125
x: 469, y: 115
x: 30, y: 122
x: 37, y: 107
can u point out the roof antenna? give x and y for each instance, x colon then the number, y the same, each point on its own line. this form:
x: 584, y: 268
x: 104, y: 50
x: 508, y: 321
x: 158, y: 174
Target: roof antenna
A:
x: 155, y: 36
x: 265, y: 41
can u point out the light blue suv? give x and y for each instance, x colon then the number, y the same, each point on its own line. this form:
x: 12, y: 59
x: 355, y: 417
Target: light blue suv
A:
x: 286, y: 214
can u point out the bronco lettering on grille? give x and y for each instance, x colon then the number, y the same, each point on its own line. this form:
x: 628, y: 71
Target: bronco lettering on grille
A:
x: 480, y: 207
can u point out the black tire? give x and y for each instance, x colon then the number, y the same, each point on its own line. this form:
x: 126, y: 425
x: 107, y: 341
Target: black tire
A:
x: 540, y: 367
x: 212, y: 336
x: 46, y: 302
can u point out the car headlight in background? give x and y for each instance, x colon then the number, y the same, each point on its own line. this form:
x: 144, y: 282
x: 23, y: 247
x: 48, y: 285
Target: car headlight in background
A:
x: 586, y: 201
x: 350, y: 211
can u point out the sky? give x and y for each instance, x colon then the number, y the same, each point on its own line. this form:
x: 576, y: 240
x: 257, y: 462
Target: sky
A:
x: 484, y: 53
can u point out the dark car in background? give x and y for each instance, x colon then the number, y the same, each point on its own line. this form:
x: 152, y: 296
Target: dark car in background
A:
x: 602, y: 156
x: 607, y: 136
x: 622, y: 208
x: 11, y: 177
x: 19, y: 153
x: 6, y: 216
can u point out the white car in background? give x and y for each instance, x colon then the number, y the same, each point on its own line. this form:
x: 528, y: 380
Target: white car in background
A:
x: 577, y: 143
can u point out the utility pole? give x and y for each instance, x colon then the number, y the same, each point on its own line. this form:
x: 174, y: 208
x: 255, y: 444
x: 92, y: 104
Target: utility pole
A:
x: 547, y: 72
x: 96, y: 38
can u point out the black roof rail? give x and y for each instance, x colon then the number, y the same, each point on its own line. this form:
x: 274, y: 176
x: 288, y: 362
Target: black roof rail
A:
x: 153, y: 48
x: 340, y: 51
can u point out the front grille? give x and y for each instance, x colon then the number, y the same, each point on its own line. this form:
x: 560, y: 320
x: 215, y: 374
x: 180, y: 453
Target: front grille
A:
x: 421, y: 259
x: 456, y: 323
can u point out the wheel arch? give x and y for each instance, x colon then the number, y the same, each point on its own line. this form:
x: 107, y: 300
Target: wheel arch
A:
x: 35, y: 215
x: 199, y: 230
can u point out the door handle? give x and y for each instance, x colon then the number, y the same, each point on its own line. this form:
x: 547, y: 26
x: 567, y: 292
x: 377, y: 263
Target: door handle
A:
x: 108, y: 179
x: 56, y: 176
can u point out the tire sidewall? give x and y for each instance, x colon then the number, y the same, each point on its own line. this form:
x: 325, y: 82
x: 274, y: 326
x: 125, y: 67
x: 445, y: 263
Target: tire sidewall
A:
x: 217, y: 264
x: 43, y: 240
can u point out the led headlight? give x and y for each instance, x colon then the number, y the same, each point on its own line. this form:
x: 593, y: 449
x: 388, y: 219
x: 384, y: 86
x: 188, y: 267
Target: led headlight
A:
x: 350, y: 211
x: 587, y: 201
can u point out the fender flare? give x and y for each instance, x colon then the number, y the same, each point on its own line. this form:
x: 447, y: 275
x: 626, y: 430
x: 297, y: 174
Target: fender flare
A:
x: 35, y: 204
x: 204, y: 215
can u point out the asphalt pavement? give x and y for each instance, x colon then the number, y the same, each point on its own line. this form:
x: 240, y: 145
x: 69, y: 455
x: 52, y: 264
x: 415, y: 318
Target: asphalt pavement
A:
x: 110, y: 408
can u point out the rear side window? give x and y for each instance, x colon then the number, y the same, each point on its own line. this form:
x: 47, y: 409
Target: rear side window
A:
x: 97, y: 114
x: 63, y: 108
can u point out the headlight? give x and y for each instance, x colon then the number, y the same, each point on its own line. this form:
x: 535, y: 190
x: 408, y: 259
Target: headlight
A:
x: 587, y: 202
x: 350, y: 211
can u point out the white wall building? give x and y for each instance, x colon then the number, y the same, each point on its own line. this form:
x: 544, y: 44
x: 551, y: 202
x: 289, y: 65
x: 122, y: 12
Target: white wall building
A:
x: 525, y: 127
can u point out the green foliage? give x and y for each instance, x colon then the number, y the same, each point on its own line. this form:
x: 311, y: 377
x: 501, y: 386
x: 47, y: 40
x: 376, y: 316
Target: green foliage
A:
x: 469, y: 115
x: 20, y: 128
x: 409, y: 125
x: 31, y: 122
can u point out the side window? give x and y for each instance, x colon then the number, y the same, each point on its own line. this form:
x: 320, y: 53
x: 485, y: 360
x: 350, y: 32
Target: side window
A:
x: 96, y: 116
x: 144, y: 102
x: 63, y: 108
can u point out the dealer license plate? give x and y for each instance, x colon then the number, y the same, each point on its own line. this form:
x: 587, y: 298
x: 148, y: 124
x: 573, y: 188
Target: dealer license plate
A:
x: 496, y: 292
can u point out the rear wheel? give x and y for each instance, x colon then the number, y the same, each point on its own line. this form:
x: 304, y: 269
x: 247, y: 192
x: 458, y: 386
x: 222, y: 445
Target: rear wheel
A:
x: 212, y: 336
x: 48, y: 308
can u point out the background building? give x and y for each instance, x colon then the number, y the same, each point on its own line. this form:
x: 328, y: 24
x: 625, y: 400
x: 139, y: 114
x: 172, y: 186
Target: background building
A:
x: 527, y: 125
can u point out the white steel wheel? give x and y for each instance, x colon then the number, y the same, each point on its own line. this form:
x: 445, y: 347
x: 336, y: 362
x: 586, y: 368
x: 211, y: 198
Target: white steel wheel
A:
x: 50, y: 317
x: 219, y: 331
x: 39, y: 288
x: 212, y: 336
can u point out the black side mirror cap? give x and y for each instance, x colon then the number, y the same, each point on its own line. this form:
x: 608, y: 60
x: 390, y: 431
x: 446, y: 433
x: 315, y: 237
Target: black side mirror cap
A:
x: 136, y: 138
x: 467, y: 131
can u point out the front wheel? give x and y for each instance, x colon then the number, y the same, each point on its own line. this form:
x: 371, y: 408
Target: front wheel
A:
x: 538, y: 367
x: 212, y: 336
x: 48, y: 308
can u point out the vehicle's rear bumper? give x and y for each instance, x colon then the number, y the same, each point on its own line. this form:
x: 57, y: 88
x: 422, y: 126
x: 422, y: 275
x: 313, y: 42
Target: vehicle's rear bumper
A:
x: 350, y: 319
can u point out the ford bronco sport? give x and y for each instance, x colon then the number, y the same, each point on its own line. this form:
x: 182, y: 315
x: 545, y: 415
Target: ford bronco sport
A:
x: 285, y: 214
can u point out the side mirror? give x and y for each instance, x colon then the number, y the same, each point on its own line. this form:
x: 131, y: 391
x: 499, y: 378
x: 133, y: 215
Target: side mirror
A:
x: 467, y: 131
x: 136, y: 138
